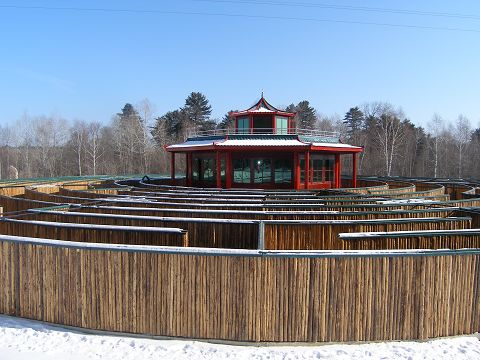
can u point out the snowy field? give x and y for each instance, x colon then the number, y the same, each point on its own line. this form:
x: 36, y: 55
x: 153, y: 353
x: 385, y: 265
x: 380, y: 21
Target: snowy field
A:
x: 24, y: 339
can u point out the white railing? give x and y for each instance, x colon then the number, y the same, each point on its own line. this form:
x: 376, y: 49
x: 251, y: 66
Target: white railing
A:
x: 263, y: 131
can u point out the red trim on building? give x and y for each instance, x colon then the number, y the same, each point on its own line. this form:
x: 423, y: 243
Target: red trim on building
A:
x: 307, y: 169
x: 228, y: 170
x: 219, y: 170
x: 172, y: 166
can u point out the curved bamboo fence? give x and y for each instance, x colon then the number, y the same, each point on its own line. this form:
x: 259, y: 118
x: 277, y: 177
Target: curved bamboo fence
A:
x: 394, y: 259
x: 243, y: 295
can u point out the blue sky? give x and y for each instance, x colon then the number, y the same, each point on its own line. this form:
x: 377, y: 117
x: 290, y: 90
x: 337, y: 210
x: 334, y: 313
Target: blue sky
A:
x: 88, y: 64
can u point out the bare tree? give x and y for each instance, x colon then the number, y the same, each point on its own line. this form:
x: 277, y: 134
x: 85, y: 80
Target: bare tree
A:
x: 436, y: 128
x: 78, y: 139
x: 462, y: 135
x: 389, y: 134
x: 145, y: 109
x: 50, y: 135
x: 94, y: 147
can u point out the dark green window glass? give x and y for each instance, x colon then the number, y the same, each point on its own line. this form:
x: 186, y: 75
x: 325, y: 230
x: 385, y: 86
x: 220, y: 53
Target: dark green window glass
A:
x: 241, y: 171
x: 262, y: 171
x: 283, y: 171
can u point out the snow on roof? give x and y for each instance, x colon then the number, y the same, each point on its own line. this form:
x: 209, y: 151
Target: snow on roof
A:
x: 191, y: 143
x: 262, y: 142
x: 337, y: 145
x: 261, y: 110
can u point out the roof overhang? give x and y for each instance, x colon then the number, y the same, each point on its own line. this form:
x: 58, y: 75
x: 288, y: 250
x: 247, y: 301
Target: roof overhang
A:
x: 291, y: 143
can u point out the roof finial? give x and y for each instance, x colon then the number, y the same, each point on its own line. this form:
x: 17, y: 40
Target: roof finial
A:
x: 262, y: 94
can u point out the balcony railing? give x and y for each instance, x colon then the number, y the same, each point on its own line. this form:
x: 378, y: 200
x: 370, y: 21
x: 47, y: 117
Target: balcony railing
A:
x: 262, y: 131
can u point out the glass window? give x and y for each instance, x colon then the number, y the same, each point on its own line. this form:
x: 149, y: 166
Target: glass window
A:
x: 262, y: 171
x: 317, y: 170
x: 283, y: 171
x: 208, y: 169
x: 241, y: 171
x: 243, y: 125
x: 196, y: 169
x: 329, y: 168
x: 321, y: 168
x: 281, y: 124
x: 302, y: 168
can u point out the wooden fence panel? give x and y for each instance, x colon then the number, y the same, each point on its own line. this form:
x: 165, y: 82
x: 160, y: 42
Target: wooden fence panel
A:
x: 95, y: 233
x: 324, y: 235
x: 257, y: 297
x: 217, y: 233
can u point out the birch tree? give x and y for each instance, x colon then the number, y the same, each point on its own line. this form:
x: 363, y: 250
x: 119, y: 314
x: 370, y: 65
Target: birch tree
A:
x: 389, y: 134
x: 94, y: 150
x: 78, y: 140
x: 436, y: 128
x: 462, y: 135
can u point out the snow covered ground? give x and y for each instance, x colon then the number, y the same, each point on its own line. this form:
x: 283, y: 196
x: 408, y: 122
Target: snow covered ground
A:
x: 24, y: 339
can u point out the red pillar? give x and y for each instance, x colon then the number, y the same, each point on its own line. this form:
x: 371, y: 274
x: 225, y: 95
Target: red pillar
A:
x: 189, y: 169
x: 219, y: 170
x: 354, y: 170
x: 307, y: 169
x: 172, y: 166
x: 228, y: 171
x: 296, y: 171
x: 337, y: 171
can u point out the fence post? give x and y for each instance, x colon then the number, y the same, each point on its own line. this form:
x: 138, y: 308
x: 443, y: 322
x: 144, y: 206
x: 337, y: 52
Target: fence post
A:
x: 261, y: 235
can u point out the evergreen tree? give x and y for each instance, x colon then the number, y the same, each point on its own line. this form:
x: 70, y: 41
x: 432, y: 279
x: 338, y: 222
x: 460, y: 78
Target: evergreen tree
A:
x: 354, y: 119
x: 306, y: 117
x: 197, y: 109
x: 227, y: 122
x: 291, y: 108
x: 168, y: 127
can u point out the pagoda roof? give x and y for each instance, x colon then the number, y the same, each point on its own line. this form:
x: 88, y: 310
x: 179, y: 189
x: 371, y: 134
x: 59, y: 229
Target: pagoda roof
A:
x: 274, y: 141
x: 262, y: 106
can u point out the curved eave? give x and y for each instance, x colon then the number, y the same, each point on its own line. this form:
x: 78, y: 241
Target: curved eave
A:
x: 191, y: 148
x: 248, y: 148
x: 337, y: 149
x: 256, y: 112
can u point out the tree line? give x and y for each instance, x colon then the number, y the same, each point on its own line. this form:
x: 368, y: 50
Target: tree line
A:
x: 133, y: 141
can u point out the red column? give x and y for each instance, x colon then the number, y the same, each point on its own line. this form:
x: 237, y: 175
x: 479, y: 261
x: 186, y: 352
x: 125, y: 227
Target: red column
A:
x: 172, y: 166
x: 307, y: 169
x: 296, y: 171
x: 219, y: 170
x: 354, y: 170
x: 337, y: 172
x: 228, y: 171
x: 189, y: 169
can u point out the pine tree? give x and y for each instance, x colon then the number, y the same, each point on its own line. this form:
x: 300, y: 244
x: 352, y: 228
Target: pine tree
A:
x: 197, y: 109
x: 306, y: 117
x: 227, y: 122
x: 168, y: 127
x: 354, y: 119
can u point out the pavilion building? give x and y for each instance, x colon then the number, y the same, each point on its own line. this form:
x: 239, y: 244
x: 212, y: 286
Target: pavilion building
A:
x: 264, y: 150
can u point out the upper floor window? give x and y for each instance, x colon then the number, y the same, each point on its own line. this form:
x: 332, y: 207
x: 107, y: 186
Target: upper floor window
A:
x: 243, y: 125
x: 281, y: 124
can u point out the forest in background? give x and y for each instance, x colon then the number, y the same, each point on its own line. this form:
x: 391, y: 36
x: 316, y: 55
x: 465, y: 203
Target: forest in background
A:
x: 133, y: 141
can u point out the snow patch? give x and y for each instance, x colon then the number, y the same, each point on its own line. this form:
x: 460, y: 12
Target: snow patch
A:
x: 26, y: 339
